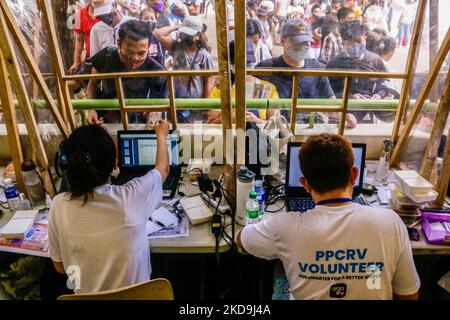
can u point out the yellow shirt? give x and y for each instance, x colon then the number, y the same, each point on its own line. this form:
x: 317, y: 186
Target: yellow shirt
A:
x: 261, y: 89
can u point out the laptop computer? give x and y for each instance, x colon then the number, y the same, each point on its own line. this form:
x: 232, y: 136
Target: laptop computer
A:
x: 297, y: 198
x: 137, y: 156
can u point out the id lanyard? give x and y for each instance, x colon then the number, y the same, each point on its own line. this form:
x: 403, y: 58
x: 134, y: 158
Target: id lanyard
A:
x: 335, y: 200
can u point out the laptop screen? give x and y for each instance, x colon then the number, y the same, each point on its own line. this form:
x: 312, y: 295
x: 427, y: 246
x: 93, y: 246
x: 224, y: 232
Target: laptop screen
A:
x: 295, y: 173
x: 138, y: 149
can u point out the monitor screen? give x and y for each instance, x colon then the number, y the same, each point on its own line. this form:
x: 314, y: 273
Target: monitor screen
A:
x: 138, y: 150
x: 295, y: 173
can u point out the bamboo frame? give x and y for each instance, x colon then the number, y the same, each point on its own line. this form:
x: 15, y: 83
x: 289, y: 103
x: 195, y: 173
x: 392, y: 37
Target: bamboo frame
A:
x: 240, y: 49
x: 440, y: 58
x: 431, y: 151
x: 34, y: 68
x: 9, y: 114
x: 58, y: 66
x: 344, y: 104
x: 410, y: 65
x: 121, y: 97
x: 225, y: 93
x: 295, y: 82
x: 13, y: 68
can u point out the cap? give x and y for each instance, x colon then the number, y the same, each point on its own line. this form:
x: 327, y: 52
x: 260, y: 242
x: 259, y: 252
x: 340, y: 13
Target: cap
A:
x: 265, y: 7
x: 28, y: 165
x: 102, y: 7
x: 191, y: 25
x: 297, y: 31
x: 252, y: 195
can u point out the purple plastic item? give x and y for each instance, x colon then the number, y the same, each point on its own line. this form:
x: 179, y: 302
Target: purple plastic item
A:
x: 435, y: 236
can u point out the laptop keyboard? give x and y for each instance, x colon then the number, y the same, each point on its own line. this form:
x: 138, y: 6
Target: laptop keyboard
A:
x: 305, y: 204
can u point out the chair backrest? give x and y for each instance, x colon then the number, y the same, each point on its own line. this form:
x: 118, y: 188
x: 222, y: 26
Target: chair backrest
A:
x: 156, y: 289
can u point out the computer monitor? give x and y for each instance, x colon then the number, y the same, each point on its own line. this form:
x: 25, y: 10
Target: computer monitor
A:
x: 137, y: 149
x: 294, y: 173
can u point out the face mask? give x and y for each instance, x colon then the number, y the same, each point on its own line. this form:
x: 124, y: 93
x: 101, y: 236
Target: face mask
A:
x: 151, y: 25
x: 129, y: 63
x: 298, y: 52
x: 158, y: 6
x: 356, y: 51
x: 108, y: 18
x: 295, y: 2
x: 186, y: 39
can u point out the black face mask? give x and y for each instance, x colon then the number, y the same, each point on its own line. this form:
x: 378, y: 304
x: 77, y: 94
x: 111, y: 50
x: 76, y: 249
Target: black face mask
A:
x: 151, y: 25
x: 186, y: 39
x: 108, y: 18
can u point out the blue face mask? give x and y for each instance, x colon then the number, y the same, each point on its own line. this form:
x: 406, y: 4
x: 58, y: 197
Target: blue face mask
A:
x: 356, y: 51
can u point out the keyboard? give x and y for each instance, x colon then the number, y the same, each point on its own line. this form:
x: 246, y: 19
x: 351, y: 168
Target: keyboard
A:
x: 305, y: 204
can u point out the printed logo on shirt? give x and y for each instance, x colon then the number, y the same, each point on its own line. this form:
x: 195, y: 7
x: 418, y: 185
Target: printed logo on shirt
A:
x: 73, y: 277
x: 343, y: 264
x: 338, y: 290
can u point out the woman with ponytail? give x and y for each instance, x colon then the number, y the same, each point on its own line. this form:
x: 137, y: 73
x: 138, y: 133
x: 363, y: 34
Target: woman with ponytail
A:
x: 97, y: 230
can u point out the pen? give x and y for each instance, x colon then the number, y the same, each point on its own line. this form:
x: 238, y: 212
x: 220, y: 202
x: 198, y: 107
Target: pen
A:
x: 157, y: 222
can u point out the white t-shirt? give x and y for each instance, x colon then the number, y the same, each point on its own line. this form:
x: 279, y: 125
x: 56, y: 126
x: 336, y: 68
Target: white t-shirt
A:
x: 105, y: 239
x: 328, y: 250
x: 282, y: 11
x: 103, y: 36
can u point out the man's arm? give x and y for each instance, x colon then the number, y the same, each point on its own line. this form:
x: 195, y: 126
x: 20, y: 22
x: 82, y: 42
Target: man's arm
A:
x: 59, y: 267
x: 92, y: 86
x: 164, y: 37
x: 162, y: 154
x: 79, y: 43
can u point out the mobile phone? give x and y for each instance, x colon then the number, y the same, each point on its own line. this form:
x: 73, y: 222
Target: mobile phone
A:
x: 413, y: 234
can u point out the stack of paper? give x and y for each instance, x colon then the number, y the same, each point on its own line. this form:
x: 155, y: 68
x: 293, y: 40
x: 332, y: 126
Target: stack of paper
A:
x: 19, y: 225
x: 414, y: 186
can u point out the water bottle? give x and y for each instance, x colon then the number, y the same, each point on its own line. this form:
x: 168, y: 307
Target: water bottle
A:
x: 252, y: 209
x: 12, y: 195
x: 244, y: 184
x: 33, y: 183
x: 383, y: 164
x: 261, y: 196
x: 24, y: 203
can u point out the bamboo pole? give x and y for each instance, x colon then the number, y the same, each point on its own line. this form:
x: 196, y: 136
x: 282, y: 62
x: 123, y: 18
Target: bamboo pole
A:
x: 121, y: 98
x: 346, y: 94
x: 409, y: 70
x: 433, y: 35
x: 36, y: 53
x: 34, y: 68
x: 429, y: 158
x: 295, y: 82
x: 12, y: 130
x: 58, y: 66
x: 12, y: 65
x: 441, y: 186
x: 440, y: 57
x: 240, y: 49
x: 182, y: 103
x: 225, y: 93
x: 172, y: 109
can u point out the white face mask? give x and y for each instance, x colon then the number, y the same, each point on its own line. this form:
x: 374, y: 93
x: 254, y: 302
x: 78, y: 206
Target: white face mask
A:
x: 298, y: 52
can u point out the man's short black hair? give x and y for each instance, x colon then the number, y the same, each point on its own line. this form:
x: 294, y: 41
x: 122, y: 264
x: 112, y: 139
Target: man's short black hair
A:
x: 344, y: 12
x: 352, y: 30
x: 135, y: 30
x: 326, y: 161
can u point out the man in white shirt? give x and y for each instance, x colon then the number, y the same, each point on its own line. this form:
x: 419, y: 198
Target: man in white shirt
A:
x: 339, y: 249
x: 106, y: 32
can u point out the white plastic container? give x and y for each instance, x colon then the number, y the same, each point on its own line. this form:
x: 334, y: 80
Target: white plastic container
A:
x: 245, y: 183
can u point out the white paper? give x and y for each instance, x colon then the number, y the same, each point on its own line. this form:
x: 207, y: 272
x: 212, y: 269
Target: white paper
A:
x: 164, y: 216
x: 383, y: 195
x: 151, y: 227
x: 437, y: 226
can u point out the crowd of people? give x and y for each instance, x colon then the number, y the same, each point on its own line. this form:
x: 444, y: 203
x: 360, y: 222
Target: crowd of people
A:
x: 136, y: 35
